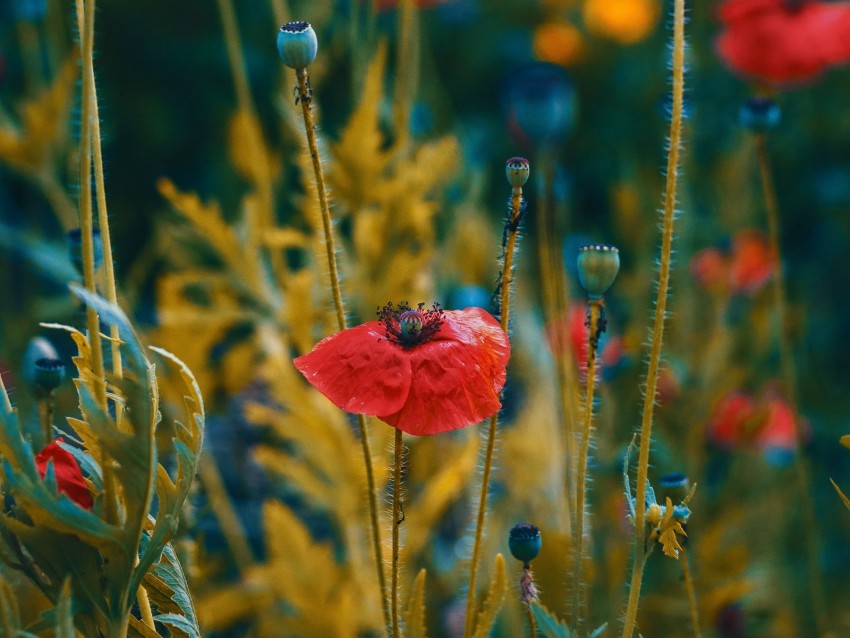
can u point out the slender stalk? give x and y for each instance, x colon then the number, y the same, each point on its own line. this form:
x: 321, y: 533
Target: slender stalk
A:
x: 692, y: 597
x: 49, y: 409
x: 594, y: 311
x: 7, y: 404
x: 398, y: 518
x: 330, y: 250
x: 254, y: 142
x: 657, y: 336
x: 85, y: 18
x: 504, y: 320
x: 789, y: 380
x: 405, y: 71
x: 231, y: 526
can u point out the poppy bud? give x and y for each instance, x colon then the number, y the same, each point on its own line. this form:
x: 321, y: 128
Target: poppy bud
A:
x: 48, y: 374
x: 297, y: 44
x: 674, y: 485
x: 598, y: 265
x: 524, y: 542
x: 75, y: 248
x: 516, y: 170
x: 759, y: 114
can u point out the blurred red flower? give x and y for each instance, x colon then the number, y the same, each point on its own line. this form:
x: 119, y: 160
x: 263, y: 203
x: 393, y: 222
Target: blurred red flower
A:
x: 422, y: 371
x: 741, y: 421
x: 745, y: 269
x: 782, y: 42
x: 572, y: 329
x: 69, y: 477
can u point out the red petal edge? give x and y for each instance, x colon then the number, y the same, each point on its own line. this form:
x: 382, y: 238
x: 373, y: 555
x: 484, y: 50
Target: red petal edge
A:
x: 359, y: 370
x: 69, y: 477
x: 456, y: 377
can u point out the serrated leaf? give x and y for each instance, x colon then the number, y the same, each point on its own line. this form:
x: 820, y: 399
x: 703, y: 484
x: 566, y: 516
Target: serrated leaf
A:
x: 493, y: 602
x: 548, y: 624
x: 415, y: 617
x: 64, y: 614
x: 841, y: 494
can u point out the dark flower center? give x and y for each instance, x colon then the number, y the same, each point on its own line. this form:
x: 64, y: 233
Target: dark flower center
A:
x: 408, y: 327
x: 299, y: 26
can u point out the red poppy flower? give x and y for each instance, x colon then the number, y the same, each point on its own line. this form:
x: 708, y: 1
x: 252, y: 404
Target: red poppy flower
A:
x: 746, y: 269
x: 765, y: 422
x: 573, y: 329
x: 69, y: 477
x: 421, y: 371
x: 784, y: 41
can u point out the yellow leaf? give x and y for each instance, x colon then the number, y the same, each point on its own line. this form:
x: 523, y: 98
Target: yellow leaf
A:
x: 43, y: 122
x: 845, y: 441
x: 493, y: 602
x: 359, y: 158
x: 251, y: 157
x: 415, y: 618
x: 844, y: 499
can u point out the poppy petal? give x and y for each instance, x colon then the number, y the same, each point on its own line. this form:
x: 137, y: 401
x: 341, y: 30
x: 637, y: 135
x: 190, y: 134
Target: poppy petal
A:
x: 359, y: 370
x: 456, y: 377
x: 69, y: 477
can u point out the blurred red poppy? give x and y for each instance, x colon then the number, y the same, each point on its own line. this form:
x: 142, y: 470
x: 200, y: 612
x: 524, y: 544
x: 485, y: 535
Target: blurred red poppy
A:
x: 745, y: 269
x: 741, y: 421
x: 572, y: 330
x: 69, y: 477
x: 782, y: 42
x: 422, y: 371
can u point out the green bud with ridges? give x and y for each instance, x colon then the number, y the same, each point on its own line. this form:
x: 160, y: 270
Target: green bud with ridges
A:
x: 524, y: 542
x: 297, y: 44
x: 598, y: 265
x: 517, y: 170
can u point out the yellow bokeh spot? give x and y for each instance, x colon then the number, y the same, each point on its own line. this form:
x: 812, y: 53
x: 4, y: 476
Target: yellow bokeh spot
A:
x: 624, y: 21
x: 557, y: 42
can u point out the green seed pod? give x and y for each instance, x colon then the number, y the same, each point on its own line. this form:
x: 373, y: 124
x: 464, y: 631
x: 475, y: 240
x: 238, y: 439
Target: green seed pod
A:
x: 598, y: 265
x: 49, y: 375
x: 297, y: 44
x: 760, y: 114
x: 517, y: 170
x: 37, y: 348
x: 524, y: 542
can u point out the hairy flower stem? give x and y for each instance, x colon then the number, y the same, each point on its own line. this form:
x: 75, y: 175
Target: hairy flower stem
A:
x: 657, y: 336
x: 47, y: 415
x: 504, y: 320
x: 692, y: 596
x: 398, y: 518
x: 310, y: 128
x: 789, y: 380
x: 580, y: 603
x: 85, y: 18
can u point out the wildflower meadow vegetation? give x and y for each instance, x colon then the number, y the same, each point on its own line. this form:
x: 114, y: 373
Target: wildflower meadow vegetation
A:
x: 416, y: 318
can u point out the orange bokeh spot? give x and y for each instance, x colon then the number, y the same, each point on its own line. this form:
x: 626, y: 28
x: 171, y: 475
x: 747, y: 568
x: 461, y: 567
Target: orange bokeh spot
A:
x: 624, y: 21
x: 557, y: 42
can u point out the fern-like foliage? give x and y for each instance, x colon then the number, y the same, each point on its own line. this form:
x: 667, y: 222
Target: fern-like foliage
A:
x: 108, y: 550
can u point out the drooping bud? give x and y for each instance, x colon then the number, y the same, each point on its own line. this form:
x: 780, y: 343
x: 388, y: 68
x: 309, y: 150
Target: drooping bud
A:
x: 297, y: 44
x: 524, y: 542
x: 598, y: 265
x: 517, y: 170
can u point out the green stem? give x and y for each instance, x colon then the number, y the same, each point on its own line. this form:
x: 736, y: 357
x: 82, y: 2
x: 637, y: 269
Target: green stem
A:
x: 657, y: 336
x: 48, y: 416
x: 505, y: 315
x: 532, y: 624
x: 692, y: 597
x: 398, y: 518
x: 594, y: 308
x: 330, y: 250
x: 85, y: 20
x: 789, y: 379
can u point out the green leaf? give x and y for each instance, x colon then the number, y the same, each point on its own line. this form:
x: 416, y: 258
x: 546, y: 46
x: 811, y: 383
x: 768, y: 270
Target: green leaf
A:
x: 177, y: 621
x: 548, y: 624
x: 494, y: 600
x: 64, y: 614
x: 598, y: 631
x: 415, y: 618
